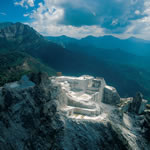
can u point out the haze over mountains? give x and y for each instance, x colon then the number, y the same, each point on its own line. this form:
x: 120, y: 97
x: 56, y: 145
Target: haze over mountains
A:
x: 129, y: 56
x: 132, y: 44
x: 123, y: 63
x: 109, y: 48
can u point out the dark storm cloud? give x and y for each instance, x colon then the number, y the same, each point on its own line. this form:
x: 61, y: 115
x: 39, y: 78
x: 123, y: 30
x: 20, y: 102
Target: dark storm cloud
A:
x: 113, y: 15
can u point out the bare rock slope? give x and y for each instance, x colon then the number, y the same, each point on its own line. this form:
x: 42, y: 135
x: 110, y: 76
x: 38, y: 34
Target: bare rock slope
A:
x: 70, y: 113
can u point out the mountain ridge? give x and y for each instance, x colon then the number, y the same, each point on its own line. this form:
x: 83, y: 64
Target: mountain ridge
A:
x: 14, y: 65
x: 132, y: 44
x: 71, y: 62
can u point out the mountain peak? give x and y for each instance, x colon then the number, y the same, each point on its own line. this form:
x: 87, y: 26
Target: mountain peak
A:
x: 17, y: 31
x: 132, y: 38
x: 107, y: 37
x: 5, y: 24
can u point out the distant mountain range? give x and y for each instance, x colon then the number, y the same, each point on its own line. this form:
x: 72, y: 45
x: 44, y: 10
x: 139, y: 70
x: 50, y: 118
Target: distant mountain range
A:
x: 125, y: 55
x: 132, y: 45
x: 119, y: 67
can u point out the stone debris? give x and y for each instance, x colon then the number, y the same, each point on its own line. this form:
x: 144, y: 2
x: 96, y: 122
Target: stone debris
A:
x: 82, y: 95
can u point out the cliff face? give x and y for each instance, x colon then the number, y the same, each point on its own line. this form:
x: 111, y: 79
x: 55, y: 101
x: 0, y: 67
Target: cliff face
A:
x: 24, y: 125
x: 67, y: 114
x: 18, y: 32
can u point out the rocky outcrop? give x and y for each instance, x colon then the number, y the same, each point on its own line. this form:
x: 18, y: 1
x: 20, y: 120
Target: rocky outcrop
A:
x: 31, y: 118
x: 111, y: 96
x: 13, y: 31
x: 146, y: 123
x: 24, y: 123
x: 136, y: 105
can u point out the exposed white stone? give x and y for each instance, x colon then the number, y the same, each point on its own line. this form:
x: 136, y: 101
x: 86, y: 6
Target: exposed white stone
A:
x: 84, y: 97
x: 80, y: 95
x: 14, y: 85
x: 22, y: 84
x: 76, y: 83
x: 79, y: 115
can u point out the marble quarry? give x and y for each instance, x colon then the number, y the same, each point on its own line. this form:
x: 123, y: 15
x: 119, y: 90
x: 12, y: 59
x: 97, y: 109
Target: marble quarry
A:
x: 86, y: 95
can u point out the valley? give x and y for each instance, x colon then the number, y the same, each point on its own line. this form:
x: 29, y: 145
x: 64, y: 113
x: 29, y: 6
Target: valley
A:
x: 128, y: 72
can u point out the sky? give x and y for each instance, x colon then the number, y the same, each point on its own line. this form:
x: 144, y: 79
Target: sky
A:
x: 80, y: 18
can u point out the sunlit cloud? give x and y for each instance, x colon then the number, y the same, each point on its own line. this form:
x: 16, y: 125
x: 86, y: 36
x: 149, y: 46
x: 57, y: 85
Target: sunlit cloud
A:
x: 140, y: 28
x: 80, y: 18
x: 25, y: 3
x: 68, y: 30
x: 26, y: 15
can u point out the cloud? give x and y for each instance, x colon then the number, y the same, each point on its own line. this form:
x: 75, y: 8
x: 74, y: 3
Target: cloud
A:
x: 114, y: 22
x: 47, y: 14
x: 79, y: 18
x: 68, y: 30
x: 46, y: 20
x: 80, y: 12
x: 26, y: 15
x: 137, y: 12
x: 141, y: 27
x: 2, y: 13
x: 25, y: 3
